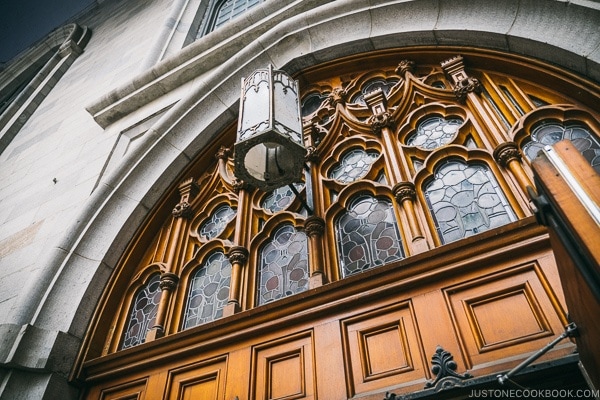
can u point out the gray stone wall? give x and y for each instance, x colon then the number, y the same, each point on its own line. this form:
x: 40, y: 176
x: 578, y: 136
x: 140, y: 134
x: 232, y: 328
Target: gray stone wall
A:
x: 47, y: 174
x: 65, y: 219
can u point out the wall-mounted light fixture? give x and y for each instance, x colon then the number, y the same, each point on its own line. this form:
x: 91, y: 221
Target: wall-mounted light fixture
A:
x: 269, y: 151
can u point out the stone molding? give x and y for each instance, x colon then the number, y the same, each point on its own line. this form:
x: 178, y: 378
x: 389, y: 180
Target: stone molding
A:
x: 301, y: 23
x: 54, y: 56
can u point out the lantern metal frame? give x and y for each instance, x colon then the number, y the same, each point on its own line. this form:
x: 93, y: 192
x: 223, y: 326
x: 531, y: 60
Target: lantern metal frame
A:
x: 269, y: 151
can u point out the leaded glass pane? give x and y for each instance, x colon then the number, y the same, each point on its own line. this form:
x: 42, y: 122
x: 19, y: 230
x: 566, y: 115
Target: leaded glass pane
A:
x: 283, y: 265
x: 384, y: 84
x: 549, y: 133
x: 435, y: 132
x: 312, y: 102
x: 231, y: 9
x: 465, y: 200
x: 143, y: 313
x: 281, y: 198
x: 217, y: 222
x: 367, y: 235
x: 354, y: 165
x: 209, y: 291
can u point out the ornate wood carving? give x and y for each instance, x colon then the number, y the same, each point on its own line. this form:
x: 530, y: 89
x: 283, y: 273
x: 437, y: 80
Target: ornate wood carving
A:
x: 444, y: 367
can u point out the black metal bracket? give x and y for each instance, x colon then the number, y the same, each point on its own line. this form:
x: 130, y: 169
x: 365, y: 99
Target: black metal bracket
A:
x: 570, y: 331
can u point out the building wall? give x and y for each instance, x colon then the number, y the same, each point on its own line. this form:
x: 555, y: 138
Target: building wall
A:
x: 71, y: 198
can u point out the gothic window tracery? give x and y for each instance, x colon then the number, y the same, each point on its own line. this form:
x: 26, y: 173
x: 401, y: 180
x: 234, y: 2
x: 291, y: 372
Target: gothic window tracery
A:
x: 367, y: 235
x: 281, y: 198
x: 208, y: 291
x: 550, y: 132
x: 217, y: 222
x: 422, y: 171
x: 143, y: 313
x: 283, y: 265
x: 465, y: 199
x: 435, y: 132
x: 354, y: 165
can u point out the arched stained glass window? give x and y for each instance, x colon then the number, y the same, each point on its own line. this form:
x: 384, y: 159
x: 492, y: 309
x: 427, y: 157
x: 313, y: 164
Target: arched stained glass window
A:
x: 548, y: 133
x: 367, y: 235
x: 465, y: 199
x: 217, y: 222
x: 435, y: 132
x: 143, y: 313
x: 283, y: 265
x: 354, y: 165
x: 280, y: 198
x: 208, y: 291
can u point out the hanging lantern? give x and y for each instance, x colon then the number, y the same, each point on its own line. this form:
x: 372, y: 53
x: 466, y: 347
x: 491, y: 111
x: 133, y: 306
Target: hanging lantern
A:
x: 269, y: 151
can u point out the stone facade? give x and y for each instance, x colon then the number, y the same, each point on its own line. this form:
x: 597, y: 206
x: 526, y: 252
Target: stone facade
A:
x: 123, y: 120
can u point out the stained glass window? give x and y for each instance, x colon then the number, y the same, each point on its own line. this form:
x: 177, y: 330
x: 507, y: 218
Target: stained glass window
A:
x: 435, y: 132
x: 367, y: 235
x: 283, y: 265
x: 217, y: 222
x: 465, y: 199
x: 548, y: 133
x: 223, y: 11
x: 312, y: 102
x: 384, y: 84
x: 143, y: 313
x: 280, y: 198
x: 354, y: 165
x: 208, y: 291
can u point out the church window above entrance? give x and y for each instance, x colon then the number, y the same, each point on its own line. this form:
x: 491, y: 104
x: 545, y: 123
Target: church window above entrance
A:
x: 402, y: 158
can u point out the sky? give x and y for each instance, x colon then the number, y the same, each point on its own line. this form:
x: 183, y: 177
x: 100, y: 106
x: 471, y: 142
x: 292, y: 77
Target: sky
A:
x: 24, y: 22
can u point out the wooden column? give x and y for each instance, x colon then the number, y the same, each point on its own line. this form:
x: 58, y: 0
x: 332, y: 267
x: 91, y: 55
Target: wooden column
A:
x: 508, y: 156
x: 238, y: 256
x: 467, y: 89
x: 182, y: 212
x: 383, y: 124
x: 315, y: 226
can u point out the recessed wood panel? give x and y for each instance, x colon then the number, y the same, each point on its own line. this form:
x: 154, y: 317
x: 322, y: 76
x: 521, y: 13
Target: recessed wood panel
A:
x: 284, y: 369
x: 505, y: 315
x: 127, y: 391
x: 204, y: 380
x: 492, y: 330
x: 382, y: 349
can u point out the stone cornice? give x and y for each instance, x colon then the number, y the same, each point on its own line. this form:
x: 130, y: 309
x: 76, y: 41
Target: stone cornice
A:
x: 200, y: 57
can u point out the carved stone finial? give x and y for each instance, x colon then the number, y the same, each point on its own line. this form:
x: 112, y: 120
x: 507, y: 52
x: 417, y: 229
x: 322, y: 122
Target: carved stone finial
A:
x: 223, y: 153
x: 444, y: 367
x: 239, y: 184
x: 404, y: 191
x: 380, y: 121
x: 183, y: 209
x: 466, y: 86
x: 337, y: 96
x: 188, y: 189
x: 312, y: 155
x: 314, y: 226
x: 238, y: 255
x: 404, y: 67
x: 168, y: 281
x: 506, y: 152
x: 463, y: 84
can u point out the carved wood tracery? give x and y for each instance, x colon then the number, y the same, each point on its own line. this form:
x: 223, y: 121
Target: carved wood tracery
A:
x: 418, y: 89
